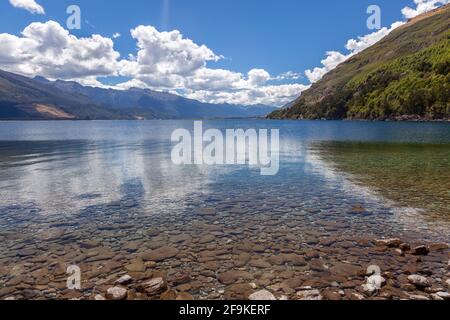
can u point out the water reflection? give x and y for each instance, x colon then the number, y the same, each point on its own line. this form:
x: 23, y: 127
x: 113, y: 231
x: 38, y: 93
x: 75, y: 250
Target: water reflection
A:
x: 412, y: 175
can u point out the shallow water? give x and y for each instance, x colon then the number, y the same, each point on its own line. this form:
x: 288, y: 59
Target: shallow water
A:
x: 63, y: 183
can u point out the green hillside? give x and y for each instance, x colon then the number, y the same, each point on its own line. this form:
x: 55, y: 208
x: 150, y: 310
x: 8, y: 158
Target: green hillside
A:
x: 404, y: 76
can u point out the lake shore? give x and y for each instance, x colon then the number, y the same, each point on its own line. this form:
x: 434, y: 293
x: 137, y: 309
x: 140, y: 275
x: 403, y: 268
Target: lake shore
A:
x: 322, y: 268
x: 106, y: 199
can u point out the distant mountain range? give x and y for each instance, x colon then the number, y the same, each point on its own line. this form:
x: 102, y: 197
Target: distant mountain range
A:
x: 22, y: 98
x: 405, y: 76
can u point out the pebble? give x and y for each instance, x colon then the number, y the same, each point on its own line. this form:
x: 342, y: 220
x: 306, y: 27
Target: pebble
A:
x: 154, y: 286
x: 124, y: 280
x: 392, y: 243
x: 420, y: 251
x: 443, y: 295
x: 262, y: 295
x: 418, y: 281
x: 309, y: 295
x: 116, y: 293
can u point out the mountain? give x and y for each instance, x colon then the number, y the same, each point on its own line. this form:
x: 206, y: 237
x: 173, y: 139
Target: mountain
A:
x: 28, y: 99
x: 35, y: 99
x: 144, y: 103
x: 406, y: 75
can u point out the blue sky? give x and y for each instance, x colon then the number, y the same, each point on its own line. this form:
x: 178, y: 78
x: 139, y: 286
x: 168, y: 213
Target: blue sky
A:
x: 274, y: 36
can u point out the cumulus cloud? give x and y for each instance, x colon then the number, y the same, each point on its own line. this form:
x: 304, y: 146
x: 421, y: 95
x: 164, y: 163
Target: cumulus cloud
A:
x: 169, y: 52
x: 422, y: 6
x: 354, y: 46
x: 29, y: 5
x: 116, y: 35
x: 48, y: 50
x: 332, y: 60
x: 169, y: 61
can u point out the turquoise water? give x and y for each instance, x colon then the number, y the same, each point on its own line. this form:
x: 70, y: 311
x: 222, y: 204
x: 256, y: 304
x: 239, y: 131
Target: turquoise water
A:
x: 67, y: 168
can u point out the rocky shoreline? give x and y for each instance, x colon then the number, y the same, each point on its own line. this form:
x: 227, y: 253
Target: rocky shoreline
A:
x: 217, y: 248
x: 405, y: 271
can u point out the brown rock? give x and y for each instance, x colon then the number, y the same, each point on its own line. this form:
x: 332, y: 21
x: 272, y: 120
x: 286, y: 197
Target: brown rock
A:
x: 420, y: 251
x: 116, y: 293
x: 161, y: 254
x: 184, y: 296
x: 154, y: 287
x: 180, y: 278
x: 168, y: 295
x: 232, y: 276
x: 238, y: 292
x: 392, y: 243
x: 344, y: 269
x: 135, y: 266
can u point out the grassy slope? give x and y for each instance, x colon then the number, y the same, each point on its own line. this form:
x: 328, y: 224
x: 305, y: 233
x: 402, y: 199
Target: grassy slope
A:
x: 406, y: 73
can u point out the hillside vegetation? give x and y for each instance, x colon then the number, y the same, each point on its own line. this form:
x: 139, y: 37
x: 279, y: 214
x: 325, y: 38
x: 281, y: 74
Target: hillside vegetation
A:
x: 404, y: 76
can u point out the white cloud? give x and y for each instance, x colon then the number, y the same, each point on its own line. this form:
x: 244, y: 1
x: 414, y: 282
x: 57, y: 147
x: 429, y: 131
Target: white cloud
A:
x: 289, y: 75
x: 422, y: 6
x: 169, y: 53
x: 258, y: 77
x: 355, y: 46
x: 116, y: 35
x: 163, y: 61
x: 29, y: 5
x: 47, y: 49
x: 332, y: 60
x: 364, y: 42
x: 169, y: 61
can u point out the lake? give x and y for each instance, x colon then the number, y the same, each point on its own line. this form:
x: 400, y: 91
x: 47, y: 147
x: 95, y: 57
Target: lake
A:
x: 105, y: 195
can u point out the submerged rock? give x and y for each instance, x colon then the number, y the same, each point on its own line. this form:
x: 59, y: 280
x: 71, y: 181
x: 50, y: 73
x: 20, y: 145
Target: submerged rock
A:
x: 392, y: 243
x: 161, y: 254
x: 420, y: 251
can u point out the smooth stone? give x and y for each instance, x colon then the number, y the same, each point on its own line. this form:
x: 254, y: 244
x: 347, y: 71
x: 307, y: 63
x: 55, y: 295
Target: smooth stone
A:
x: 180, y: 278
x: 309, y: 295
x: 99, y: 297
x: 392, y: 243
x: 443, y: 295
x: 184, y: 296
x: 154, y: 286
x: 116, y: 293
x: 418, y: 281
x: 168, y: 295
x: 417, y: 297
x: 135, y: 266
x: 230, y: 277
x: 161, y: 254
x: 89, y: 244
x: 345, y: 269
x: 238, y: 292
x: 259, y: 263
x: 262, y: 295
x: 124, y: 280
x: 420, y: 251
